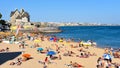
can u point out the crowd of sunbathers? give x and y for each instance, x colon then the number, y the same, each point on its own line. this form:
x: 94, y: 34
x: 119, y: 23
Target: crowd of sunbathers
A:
x: 82, y: 53
x: 102, y: 63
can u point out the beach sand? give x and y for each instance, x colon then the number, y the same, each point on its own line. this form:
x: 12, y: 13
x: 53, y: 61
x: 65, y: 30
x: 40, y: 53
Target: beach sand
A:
x: 90, y: 62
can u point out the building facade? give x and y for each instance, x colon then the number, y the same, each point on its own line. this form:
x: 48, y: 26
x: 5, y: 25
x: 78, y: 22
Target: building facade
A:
x: 17, y: 17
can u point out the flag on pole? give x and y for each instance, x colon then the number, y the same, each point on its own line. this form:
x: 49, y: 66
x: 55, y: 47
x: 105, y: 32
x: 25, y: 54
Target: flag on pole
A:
x: 18, y: 28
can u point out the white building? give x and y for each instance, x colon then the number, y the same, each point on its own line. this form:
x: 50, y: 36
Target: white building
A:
x: 17, y: 17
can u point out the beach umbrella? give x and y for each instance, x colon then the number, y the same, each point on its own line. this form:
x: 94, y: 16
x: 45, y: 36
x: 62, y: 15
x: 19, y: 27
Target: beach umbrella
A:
x: 86, y: 44
x: 60, y: 40
x: 51, y: 53
x: 40, y: 49
x: 51, y: 39
x: 13, y: 28
x: 107, y: 56
x: 36, y: 41
x: 81, y: 42
x: 26, y: 55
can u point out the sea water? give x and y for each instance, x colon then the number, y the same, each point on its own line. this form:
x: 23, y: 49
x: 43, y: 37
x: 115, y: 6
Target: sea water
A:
x: 104, y: 36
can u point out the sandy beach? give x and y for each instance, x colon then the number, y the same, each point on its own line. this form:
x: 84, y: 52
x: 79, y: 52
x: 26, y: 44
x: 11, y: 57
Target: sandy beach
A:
x: 60, y: 34
x: 89, y: 62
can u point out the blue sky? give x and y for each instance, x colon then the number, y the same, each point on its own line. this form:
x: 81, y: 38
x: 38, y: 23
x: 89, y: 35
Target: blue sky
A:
x: 99, y: 11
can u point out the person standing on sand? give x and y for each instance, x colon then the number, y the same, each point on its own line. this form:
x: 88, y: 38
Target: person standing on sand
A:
x: 81, y: 44
x: 55, y: 39
x: 44, y: 65
x: 46, y: 59
x: 22, y: 45
x: 59, y: 57
x: 28, y: 36
x: 12, y: 39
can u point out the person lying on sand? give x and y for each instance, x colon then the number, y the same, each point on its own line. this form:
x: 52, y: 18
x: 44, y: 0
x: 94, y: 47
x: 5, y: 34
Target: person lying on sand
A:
x: 46, y: 61
x: 4, y: 50
x: 69, y: 53
x: 83, y: 55
x: 81, y: 49
x: 18, y: 62
x: 91, y: 54
x: 43, y: 51
x: 55, y: 57
x: 116, y: 55
x: 117, y: 65
x: 75, y: 65
x: 73, y: 46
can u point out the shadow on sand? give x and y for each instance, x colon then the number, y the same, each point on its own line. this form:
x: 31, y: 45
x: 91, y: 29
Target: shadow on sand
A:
x: 8, y: 56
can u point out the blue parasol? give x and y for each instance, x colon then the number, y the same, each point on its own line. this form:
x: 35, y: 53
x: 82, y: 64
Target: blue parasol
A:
x: 51, y: 53
x: 51, y: 38
x: 40, y: 49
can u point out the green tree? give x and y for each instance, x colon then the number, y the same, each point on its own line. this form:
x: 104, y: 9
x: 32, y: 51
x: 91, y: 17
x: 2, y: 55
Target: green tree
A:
x: 0, y: 15
x: 2, y: 22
